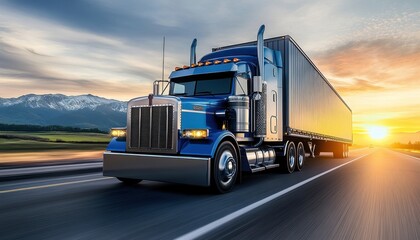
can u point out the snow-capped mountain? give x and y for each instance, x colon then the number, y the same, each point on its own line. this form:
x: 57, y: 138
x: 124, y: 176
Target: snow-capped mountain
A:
x: 63, y: 102
x: 85, y: 111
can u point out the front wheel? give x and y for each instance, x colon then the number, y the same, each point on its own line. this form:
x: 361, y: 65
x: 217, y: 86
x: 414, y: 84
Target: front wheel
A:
x: 225, y: 168
x: 129, y: 181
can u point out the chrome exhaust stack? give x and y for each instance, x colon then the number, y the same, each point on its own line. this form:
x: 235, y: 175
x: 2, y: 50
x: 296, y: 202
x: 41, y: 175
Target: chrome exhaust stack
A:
x: 259, y: 90
x: 193, y: 58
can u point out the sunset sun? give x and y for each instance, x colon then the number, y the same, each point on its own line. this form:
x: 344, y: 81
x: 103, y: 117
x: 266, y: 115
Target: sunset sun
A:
x: 377, y: 132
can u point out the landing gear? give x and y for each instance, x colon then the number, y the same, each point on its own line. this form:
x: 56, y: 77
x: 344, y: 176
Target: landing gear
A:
x: 346, y: 150
x: 225, y: 168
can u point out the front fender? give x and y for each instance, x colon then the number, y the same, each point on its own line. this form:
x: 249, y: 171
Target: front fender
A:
x: 116, y: 145
x: 205, y: 147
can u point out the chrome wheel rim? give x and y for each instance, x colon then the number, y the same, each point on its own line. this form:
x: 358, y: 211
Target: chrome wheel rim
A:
x: 291, y: 157
x: 227, y: 168
x: 301, y: 155
x: 300, y: 160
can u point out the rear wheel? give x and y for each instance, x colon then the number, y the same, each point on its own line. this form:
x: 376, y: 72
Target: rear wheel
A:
x: 339, y: 151
x: 225, y: 168
x: 300, y: 156
x: 289, y: 163
x: 129, y: 181
x: 346, y: 151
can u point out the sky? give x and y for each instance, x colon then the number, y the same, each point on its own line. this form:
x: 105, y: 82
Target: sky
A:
x: 368, y: 50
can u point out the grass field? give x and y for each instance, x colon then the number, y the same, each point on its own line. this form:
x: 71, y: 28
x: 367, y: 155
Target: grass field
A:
x: 46, y: 141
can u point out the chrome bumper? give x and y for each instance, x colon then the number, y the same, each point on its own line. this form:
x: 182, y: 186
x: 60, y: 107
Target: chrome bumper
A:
x: 163, y: 168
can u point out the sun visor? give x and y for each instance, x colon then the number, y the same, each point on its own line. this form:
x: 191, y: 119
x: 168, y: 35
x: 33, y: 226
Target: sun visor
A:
x: 216, y: 68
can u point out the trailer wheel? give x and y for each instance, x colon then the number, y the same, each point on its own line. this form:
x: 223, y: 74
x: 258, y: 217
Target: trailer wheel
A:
x: 339, y: 151
x: 225, y: 168
x: 289, y: 162
x: 300, y: 156
x: 129, y: 181
x: 346, y: 151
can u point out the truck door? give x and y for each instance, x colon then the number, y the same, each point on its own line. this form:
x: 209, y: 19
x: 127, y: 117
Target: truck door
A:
x: 272, y: 101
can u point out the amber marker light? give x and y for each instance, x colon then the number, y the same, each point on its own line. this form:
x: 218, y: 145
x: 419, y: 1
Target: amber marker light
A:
x: 118, y: 132
x: 217, y: 62
x: 193, y: 65
x: 195, y: 133
x: 177, y: 68
x: 208, y: 63
x: 236, y: 60
x: 185, y: 67
x: 226, y: 60
x: 200, y: 64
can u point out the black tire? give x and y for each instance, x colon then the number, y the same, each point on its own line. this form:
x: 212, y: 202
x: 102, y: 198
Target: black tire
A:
x: 347, y: 150
x: 129, y: 181
x: 225, y: 168
x: 339, y: 151
x: 288, y: 163
x: 300, y: 153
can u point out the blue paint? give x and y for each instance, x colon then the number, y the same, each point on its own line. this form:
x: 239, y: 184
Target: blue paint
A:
x: 246, y: 54
x: 219, y: 68
x: 198, y: 112
x: 116, y: 145
x: 205, y: 147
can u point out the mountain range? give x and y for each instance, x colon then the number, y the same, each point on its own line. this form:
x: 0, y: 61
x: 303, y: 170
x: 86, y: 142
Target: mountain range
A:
x: 83, y: 111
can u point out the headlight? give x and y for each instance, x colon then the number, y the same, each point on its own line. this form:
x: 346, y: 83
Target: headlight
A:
x: 118, y: 132
x: 195, y: 133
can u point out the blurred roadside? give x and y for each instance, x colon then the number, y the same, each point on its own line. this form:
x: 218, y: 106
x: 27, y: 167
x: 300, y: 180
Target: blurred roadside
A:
x: 46, y: 158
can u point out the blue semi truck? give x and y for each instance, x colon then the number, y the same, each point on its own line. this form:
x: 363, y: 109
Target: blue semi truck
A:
x: 246, y: 107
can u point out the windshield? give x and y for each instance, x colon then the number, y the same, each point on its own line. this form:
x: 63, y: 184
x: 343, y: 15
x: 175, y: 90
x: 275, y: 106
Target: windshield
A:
x: 214, y: 84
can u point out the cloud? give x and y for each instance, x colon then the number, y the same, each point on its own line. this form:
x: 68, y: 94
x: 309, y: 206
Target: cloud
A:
x: 356, y: 85
x: 99, y: 17
x: 20, y: 70
x: 371, y: 65
x: 36, y: 53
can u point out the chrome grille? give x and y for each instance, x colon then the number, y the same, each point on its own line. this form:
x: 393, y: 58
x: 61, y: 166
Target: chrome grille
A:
x: 151, y: 129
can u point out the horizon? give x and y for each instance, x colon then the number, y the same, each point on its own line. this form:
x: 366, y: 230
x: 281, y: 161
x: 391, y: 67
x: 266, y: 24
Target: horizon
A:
x: 400, y: 137
x: 370, y: 53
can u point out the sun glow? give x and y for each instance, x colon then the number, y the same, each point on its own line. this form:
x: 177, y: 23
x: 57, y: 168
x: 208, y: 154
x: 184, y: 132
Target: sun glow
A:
x: 377, y: 132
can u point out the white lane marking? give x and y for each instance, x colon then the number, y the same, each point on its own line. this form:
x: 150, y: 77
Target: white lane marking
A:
x: 217, y: 223
x: 53, y: 185
x: 404, y: 154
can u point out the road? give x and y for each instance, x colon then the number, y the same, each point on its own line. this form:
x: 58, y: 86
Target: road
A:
x: 373, y: 194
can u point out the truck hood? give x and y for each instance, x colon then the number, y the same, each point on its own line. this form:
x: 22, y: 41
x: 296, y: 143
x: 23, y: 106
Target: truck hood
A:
x: 198, y: 112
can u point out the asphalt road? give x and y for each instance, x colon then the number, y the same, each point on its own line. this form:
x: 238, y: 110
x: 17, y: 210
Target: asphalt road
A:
x: 376, y: 195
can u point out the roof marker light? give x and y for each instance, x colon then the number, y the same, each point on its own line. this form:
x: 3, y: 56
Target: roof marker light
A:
x: 217, y: 62
x: 193, y: 65
x: 200, y: 64
x: 185, y: 67
x: 177, y: 68
x: 226, y: 60
x: 236, y: 60
x: 208, y: 63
